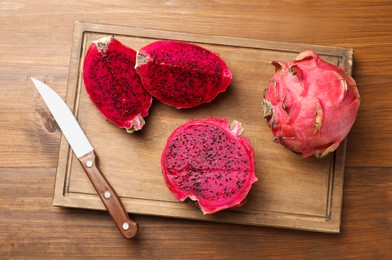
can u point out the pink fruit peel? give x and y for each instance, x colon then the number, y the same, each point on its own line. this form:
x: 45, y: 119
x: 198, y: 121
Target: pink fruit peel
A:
x: 209, y: 162
x: 113, y: 85
x: 310, y: 105
x: 182, y: 74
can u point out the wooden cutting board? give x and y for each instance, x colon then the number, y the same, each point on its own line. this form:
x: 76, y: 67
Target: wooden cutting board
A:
x: 292, y: 192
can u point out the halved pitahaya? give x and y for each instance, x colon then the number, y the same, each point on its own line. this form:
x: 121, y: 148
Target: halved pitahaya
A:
x: 182, y: 74
x: 209, y: 162
x: 113, y: 85
x: 310, y: 105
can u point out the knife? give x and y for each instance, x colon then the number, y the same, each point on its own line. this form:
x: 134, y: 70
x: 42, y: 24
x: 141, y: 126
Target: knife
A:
x: 86, y: 155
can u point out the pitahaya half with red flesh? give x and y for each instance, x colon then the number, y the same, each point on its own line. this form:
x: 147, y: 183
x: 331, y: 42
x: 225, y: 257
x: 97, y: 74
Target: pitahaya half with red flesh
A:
x: 182, y: 74
x: 113, y: 85
x: 310, y: 105
x: 208, y: 161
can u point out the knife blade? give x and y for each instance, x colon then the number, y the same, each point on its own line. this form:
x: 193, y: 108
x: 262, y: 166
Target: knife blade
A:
x: 84, y: 151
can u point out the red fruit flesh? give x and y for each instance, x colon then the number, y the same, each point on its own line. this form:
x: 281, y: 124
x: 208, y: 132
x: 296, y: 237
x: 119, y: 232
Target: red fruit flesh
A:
x: 113, y: 85
x: 310, y: 105
x: 210, y: 163
x: 181, y: 74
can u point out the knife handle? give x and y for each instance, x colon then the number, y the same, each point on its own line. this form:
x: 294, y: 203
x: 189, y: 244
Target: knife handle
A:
x: 109, y: 197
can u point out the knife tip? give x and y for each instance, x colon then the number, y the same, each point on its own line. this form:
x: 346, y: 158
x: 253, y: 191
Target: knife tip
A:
x: 34, y: 80
x: 37, y: 83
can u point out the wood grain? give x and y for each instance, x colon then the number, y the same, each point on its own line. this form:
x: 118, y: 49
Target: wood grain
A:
x: 108, y: 196
x: 31, y: 227
x: 288, y: 193
x: 36, y: 41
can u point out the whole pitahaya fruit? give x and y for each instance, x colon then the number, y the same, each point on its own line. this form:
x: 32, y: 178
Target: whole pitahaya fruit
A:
x: 182, y: 74
x: 209, y: 162
x: 310, y: 105
x: 113, y: 85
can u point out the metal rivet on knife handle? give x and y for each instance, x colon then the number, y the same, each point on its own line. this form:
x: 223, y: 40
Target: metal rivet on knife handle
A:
x: 110, y: 199
x: 84, y: 151
x: 125, y: 226
x: 107, y: 195
x: 89, y: 164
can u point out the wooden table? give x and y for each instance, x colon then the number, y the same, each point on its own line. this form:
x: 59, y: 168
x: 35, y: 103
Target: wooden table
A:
x: 36, y: 38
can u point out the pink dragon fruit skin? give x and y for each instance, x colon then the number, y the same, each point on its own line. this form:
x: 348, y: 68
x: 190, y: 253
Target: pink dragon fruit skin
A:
x: 182, y: 74
x: 209, y: 162
x: 310, y: 105
x: 113, y: 85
